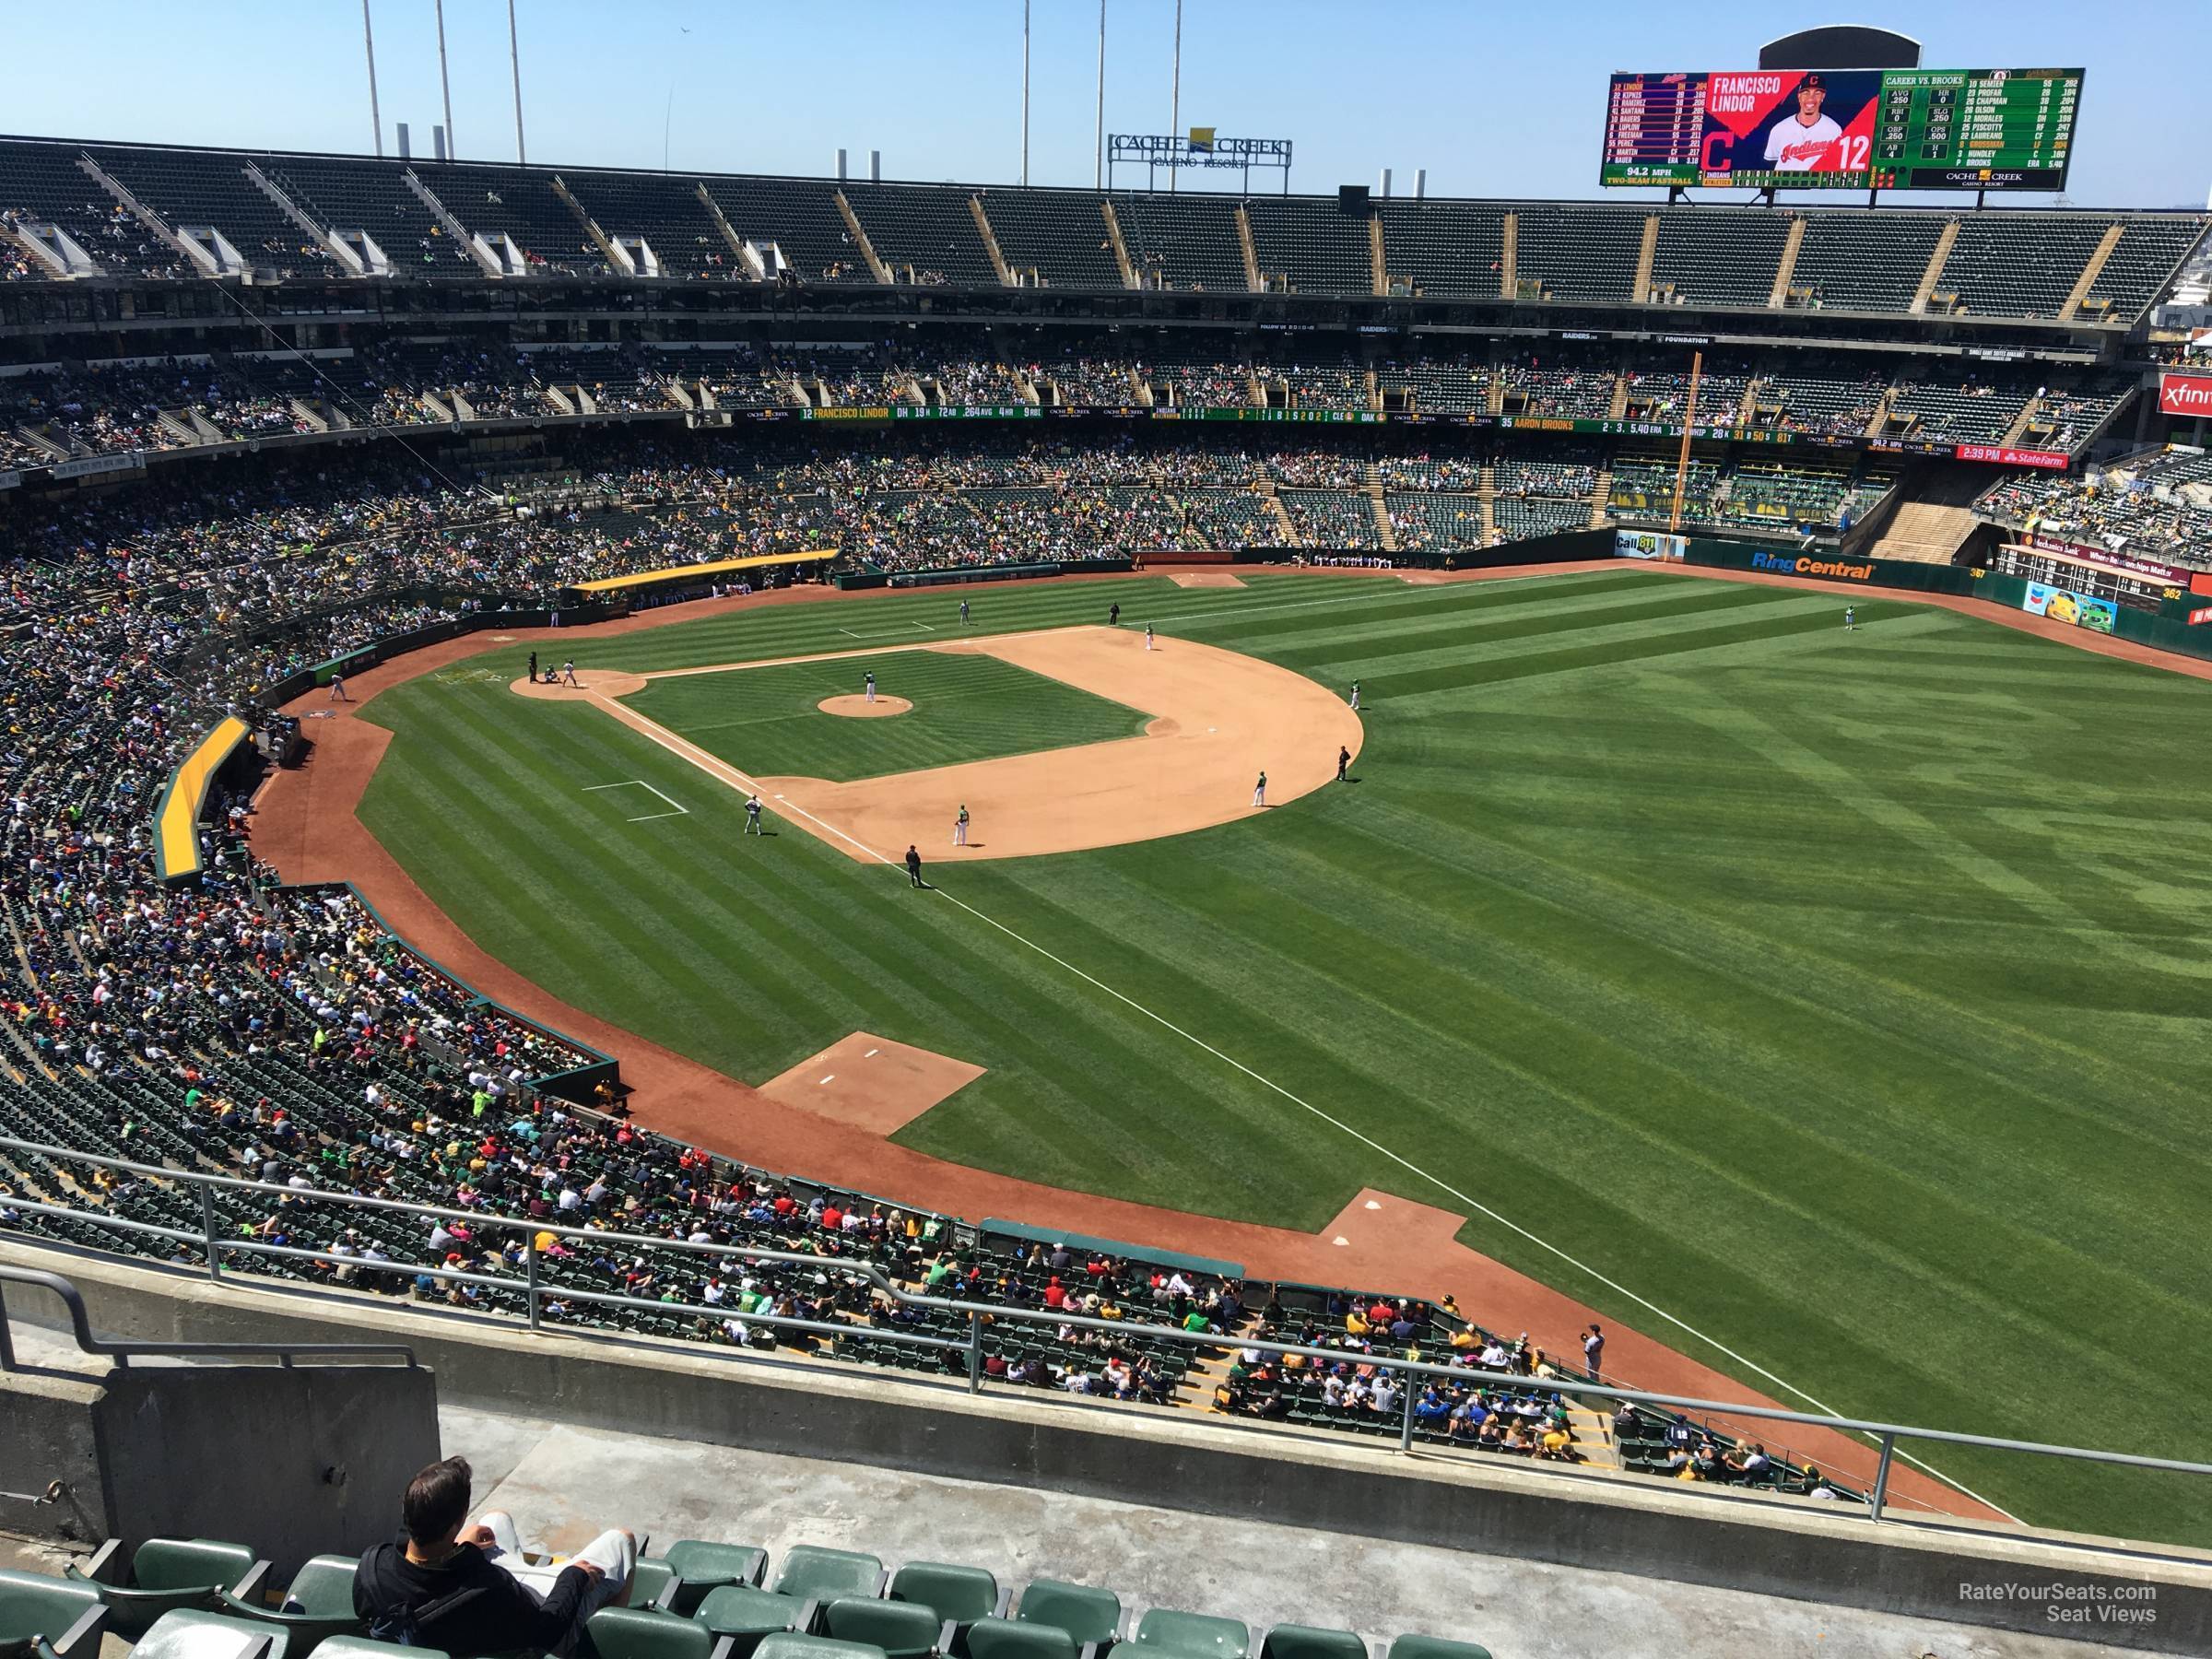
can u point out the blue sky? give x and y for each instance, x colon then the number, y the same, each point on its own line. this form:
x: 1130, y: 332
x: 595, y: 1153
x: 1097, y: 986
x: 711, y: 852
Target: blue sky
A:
x: 1492, y: 99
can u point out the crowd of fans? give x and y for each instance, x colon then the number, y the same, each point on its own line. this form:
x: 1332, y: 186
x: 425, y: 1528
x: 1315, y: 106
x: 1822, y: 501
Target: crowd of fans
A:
x: 2157, y: 505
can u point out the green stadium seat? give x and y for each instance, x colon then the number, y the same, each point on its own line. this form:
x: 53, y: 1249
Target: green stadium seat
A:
x: 749, y: 1614
x: 793, y: 1646
x: 165, y: 1575
x: 189, y: 1633
x: 318, y: 1606
x: 58, y: 1619
x: 1435, y: 1647
x: 646, y: 1633
x: 812, y: 1573
x: 902, y: 1630
x: 651, y: 1579
x: 1085, y: 1612
x: 960, y: 1594
x: 1011, y: 1638
x: 361, y: 1647
x: 703, y: 1567
x: 1191, y: 1635
x: 1306, y: 1641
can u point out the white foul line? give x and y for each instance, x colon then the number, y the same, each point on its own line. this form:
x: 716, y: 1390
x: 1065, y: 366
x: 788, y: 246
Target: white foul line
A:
x: 831, y: 1078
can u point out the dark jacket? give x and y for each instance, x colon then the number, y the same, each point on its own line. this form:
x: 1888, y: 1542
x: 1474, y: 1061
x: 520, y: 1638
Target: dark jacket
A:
x: 502, y: 1616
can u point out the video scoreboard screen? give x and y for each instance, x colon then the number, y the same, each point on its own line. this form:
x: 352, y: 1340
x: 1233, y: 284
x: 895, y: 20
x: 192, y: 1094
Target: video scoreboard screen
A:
x: 1843, y: 129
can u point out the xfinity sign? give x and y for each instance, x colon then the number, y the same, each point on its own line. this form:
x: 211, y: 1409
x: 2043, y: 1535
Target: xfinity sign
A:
x: 2186, y: 394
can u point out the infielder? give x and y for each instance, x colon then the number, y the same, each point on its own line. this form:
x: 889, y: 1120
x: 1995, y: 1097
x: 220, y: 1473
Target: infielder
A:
x: 1147, y: 636
x: 1259, y: 791
x: 752, y: 813
x: 868, y: 689
x: 1355, y: 697
x: 959, y: 827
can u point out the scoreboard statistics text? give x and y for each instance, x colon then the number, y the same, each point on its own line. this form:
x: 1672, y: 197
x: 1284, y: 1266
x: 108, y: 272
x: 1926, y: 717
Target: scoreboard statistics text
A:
x: 1843, y: 129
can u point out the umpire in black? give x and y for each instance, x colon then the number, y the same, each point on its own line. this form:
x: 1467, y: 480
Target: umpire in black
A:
x: 913, y: 865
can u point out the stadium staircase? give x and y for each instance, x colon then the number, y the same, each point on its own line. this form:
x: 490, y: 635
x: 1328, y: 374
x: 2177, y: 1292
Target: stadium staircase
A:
x: 2090, y: 272
x: 1373, y: 490
x: 998, y: 260
x: 1253, y: 282
x: 1601, y: 500
x: 1282, y: 518
x: 881, y: 272
x: 746, y: 256
x: 1944, y: 241
x: 1788, y: 268
x: 1508, y: 259
x: 1883, y: 412
x: 1618, y: 409
x: 1378, y: 268
x: 1121, y: 248
x: 1640, y: 291
x: 2026, y: 418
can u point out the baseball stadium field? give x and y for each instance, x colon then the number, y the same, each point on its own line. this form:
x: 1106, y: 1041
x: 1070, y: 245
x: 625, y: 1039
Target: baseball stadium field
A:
x: 1830, y: 1005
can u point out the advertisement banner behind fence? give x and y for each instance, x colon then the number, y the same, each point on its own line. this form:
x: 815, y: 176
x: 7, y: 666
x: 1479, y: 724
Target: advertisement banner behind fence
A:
x: 2063, y: 605
x: 1649, y: 544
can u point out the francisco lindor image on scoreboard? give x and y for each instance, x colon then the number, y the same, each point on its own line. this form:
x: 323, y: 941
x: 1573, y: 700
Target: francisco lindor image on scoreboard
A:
x: 1808, y: 141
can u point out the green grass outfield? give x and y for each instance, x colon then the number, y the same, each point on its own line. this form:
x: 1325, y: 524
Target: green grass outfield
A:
x: 966, y: 707
x: 1845, y: 996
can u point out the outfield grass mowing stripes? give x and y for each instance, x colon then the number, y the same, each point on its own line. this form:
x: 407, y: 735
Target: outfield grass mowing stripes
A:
x: 1844, y: 995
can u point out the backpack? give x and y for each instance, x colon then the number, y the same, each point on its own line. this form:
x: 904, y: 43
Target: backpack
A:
x: 408, y: 1627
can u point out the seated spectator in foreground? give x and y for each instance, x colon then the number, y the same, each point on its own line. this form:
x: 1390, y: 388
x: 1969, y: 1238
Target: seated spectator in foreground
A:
x: 467, y: 1589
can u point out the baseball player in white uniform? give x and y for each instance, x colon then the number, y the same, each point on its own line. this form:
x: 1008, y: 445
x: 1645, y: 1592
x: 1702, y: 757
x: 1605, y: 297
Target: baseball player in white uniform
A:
x: 1147, y: 636
x: 1806, y: 142
x: 959, y: 827
x: 868, y: 687
x: 1259, y: 791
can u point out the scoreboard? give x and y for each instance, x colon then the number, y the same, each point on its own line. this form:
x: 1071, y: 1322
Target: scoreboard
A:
x: 1843, y: 129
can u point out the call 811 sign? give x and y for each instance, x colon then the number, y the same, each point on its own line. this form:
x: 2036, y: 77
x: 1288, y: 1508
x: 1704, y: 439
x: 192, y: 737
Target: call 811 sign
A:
x: 1888, y: 129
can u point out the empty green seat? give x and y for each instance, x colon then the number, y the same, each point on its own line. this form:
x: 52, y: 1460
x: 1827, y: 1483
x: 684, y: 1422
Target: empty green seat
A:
x: 189, y: 1633
x: 710, y: 1566
x: 646, y: 1633
x: 812, y: 1573
x: 1086, y: 1613
x: 1435, y: 1647
x: 1191, y: 1635
x: 165, y: 1575
x: 1308, y: 1642
x: 318, y: 1606
x: 56, y: 1617
x: 902, y: 1630
x: 793, y: 1646
x: 960, y: 1594
x: 1011, y: 1638
x: 742, y: 1611
x: 650, y: 1579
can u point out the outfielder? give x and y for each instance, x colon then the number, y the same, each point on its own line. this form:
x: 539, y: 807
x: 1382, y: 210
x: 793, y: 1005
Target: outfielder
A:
x: 963, y: 613
x: 1259, y: 791
x: 1850, y: 618
x: 1355, y: 697
x: 959, y: 827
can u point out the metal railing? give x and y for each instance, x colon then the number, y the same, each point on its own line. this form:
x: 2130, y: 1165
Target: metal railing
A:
x: 212, y: 1247
x: 122, y: 1353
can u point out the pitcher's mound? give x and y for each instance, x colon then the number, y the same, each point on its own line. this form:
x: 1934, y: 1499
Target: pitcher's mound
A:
x: 871, y: 1082
x: 606, y: 682
x: 856, y: 706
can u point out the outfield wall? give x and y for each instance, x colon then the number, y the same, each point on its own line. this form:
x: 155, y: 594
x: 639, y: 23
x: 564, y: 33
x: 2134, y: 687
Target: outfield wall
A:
x: 1180, y: 1460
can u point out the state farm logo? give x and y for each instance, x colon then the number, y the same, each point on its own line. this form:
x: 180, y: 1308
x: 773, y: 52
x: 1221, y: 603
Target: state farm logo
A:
x: 2186, y: 394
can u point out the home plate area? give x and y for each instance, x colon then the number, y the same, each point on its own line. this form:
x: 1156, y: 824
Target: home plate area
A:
x: 871, y: 1082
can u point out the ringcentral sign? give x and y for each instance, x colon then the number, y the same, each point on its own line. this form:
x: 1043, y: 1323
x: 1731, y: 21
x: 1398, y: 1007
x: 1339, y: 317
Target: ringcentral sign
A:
x: 1790, y: 565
